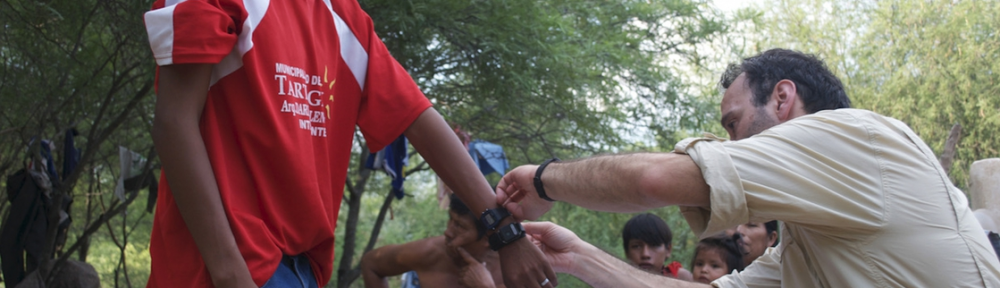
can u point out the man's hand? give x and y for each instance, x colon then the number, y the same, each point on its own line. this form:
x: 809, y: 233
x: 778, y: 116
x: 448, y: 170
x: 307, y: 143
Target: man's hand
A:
x: 523, y: 265
x: 558, y: 244
x: 569, y: 254
x: 516, y: 192
x: 473, y: 274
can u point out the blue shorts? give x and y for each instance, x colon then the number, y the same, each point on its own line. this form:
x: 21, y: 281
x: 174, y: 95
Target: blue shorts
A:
x: 294, y: 271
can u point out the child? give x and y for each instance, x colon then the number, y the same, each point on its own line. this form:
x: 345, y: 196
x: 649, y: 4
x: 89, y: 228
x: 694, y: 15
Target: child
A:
x: 648, y: 242
x: 715, y: 257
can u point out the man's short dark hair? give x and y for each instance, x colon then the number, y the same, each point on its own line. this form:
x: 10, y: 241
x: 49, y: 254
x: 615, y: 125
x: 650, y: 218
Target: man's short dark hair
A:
x: 818, y: 88
x: 646, y: 227
x: 456, y: 205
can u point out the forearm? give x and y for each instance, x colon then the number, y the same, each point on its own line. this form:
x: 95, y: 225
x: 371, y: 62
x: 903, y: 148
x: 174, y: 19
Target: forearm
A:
x: 433, y: 138
x: 196, y: 193
x: 600, y: 269
x: 627, y: 182
x: 371, y: 278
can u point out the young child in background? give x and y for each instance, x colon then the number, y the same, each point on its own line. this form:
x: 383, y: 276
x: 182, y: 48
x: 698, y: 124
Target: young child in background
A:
x: 648, y: 242
x: 715, y: 257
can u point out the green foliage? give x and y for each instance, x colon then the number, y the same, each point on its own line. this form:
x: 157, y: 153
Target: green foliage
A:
x: 548, y: 78
x: 83, y: 64
x: 927, y: 63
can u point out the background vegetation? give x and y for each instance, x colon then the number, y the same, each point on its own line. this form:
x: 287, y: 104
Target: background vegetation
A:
x: 542, y: 78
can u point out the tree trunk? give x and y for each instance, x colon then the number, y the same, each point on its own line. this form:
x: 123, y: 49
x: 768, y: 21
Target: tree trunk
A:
x: 355, y: 191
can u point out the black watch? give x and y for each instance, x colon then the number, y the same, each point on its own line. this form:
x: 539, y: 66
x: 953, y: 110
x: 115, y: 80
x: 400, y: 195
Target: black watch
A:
x: 490, y: 218
x: 505, y: 235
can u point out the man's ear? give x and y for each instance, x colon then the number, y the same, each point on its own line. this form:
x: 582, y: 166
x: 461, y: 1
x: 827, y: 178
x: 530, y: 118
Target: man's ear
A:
x: 787, y: 96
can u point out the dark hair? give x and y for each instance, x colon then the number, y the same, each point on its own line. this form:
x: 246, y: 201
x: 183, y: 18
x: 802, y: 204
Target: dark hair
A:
x: 727, y: 247
x: 456, y: 205
x: 772, y: 226
x: 649, y: 228
x: 818, y: 88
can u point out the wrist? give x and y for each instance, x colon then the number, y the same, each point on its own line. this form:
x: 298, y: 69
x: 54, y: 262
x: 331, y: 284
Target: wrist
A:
x: 585, y: 261
x: 539, y: 185
x: 505, y: 235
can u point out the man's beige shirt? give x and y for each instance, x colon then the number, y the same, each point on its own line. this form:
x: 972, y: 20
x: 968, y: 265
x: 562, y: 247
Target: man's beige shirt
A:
x: 864, y: 203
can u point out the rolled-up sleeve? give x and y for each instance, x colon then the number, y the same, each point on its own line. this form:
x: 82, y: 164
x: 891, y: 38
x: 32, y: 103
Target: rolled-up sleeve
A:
x: 794, y: 172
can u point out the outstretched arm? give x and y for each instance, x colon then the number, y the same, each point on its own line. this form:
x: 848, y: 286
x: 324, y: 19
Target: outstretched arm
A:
x: 522, y: 264
x: 392, y: 260
x: 614, y: 183
x: 183, y: 89
x: 569, y: 254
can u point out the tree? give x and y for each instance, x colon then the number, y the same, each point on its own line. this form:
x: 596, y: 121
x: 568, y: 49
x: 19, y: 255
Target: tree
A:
x: 83, y: 65
x: 926, y: 63
x: 541, y: 78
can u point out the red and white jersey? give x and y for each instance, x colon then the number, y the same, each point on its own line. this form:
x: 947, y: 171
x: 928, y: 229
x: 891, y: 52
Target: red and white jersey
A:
x: 291, y: 81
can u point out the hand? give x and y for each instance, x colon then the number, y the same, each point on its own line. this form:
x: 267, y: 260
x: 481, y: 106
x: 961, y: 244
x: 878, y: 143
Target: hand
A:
x: 516, y: 192
x: 523, y: 265
x: 473, y: 273
x: 559, y: 245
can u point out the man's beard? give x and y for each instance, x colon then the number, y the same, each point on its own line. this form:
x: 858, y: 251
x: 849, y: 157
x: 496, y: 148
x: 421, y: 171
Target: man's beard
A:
x: 761, y: 122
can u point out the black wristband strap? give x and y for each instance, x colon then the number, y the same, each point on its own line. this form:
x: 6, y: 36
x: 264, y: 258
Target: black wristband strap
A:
x: 538, y: 179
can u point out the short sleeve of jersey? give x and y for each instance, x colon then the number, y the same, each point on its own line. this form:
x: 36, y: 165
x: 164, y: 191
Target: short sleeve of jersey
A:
x: 818, y: 171
x: 391, y: 100
x: 193, y: 31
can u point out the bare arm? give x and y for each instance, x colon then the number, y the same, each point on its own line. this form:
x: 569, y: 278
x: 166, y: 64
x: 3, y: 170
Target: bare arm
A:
x: 600, y: 269
x: 627, y: 182
x: 439, y: 146
x: 522, y: 264
x: 613, y: 183
x: 393, y: 260
x: 183, y: 89
x: 570, y: 254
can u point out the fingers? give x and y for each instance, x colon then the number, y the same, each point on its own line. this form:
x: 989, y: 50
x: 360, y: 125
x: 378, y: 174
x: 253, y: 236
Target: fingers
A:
x: 537, y: 228
x: 501, y: 191
x: 551, y: 275
x: 468, y: 258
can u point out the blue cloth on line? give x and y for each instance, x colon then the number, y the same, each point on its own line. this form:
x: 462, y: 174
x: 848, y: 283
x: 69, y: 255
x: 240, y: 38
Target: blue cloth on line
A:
x: 489, y: 157
x: 392, y: 159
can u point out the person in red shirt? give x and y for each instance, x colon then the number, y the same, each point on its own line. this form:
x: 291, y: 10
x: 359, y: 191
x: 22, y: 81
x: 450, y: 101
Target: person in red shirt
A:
x: 257, y: 104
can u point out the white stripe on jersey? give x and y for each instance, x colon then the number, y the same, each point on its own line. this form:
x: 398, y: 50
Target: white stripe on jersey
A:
x: 255, y: 11
x: 160, y: 28
x: 350, y: 48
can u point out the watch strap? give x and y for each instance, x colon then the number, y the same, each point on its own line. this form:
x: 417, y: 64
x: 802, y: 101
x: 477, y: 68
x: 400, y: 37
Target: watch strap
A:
x: 539, y: 187
x: 505, y: 235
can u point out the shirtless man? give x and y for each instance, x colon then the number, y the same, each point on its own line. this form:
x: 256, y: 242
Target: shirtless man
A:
x: 459, y: 258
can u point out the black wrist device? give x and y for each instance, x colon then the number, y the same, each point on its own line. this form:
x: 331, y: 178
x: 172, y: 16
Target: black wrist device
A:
x: 490, y: 218
x: 505, y: 235
x: 538, y: 179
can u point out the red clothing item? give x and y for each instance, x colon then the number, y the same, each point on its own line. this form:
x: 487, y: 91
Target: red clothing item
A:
x: 672, y: 269
x: 291, y: 82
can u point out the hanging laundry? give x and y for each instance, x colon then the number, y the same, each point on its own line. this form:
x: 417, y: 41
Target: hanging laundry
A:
x: 71, y: 155
x: 392, y: 159
x: 131, y: 166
